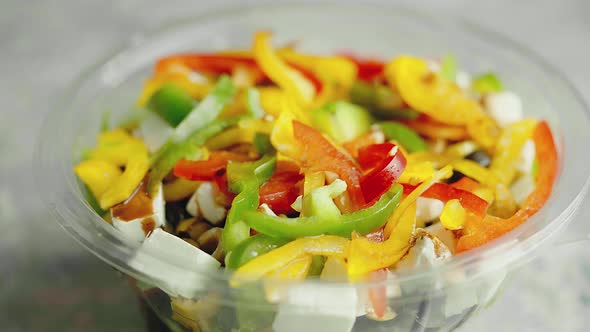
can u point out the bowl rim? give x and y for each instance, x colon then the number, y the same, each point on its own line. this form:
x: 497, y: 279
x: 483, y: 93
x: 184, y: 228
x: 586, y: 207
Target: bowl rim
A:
x: 504, y: 249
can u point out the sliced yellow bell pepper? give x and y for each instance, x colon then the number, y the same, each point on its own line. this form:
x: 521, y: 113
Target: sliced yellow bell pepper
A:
x: 230, y: 137
x: 270, y: 99
x: 97, y: 175
x: 366, y: 256
x: 440, y: 98
x: 282, y: 133
x: 313, y: 180
x: 509, y: 147
x: 179, y: 189
x: 125, y: 185
x: 503, y: 203
x: 289, y: 79
x: 336, y: 73
x: 115, y: 146
x: 121, y: 149
x: 258, y: 125
x: 445, y: 172
x: 295, y: 270
x: 325, y: 245
x: 429, y: 93
x: 415, y: 173
x: 453, y: 215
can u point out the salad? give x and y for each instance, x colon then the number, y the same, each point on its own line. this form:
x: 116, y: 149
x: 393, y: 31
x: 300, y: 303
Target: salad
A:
x: 273, y: 163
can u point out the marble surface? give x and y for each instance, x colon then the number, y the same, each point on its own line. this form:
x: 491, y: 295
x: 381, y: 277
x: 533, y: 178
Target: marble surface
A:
x: 49, y: 283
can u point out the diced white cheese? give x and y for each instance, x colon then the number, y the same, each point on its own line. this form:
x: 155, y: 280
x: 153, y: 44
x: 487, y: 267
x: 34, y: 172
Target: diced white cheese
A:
x: 154, y: 131
x: 463, y: 80
x: 522, y: 188
x: 134, y: 229
x: 527, y: 157
x: 312, y: 307
x: 178, y: 264
x: 505, y: 107
x: 428, y: 209
x: 427, y: 250
x: 446, y: 236
x: 203, y: 203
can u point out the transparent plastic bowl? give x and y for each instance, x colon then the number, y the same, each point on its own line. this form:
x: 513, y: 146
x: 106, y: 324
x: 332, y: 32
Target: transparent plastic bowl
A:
x: 440, y: 298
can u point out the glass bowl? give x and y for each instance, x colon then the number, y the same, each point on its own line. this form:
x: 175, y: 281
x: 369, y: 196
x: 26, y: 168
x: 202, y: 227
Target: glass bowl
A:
x: 439, y: 298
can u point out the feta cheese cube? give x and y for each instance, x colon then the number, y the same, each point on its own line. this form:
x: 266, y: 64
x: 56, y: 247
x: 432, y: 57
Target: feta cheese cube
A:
x: 428, y: 209
x: 505, y: 107
x: 312, y: 307
x: 137, y: 228
x: 203, y: 203
x: 184, y: 276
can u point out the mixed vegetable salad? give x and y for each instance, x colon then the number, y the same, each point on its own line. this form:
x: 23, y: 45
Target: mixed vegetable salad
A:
x: 275, y: 163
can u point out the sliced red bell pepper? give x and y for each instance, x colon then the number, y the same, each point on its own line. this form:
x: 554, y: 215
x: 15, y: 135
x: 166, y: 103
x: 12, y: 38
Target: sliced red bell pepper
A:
x: 385, y: 169
x: 367, y: 69
x: 479, y: 231
x: 445, y: 192
x: 426, y: 126
x: 206, y: 170
x: 281, y: 190
x: 220, y: 180
x: 318, y: 154
x: 466, y: 183
x: 213, y: 63
x: 370, y: 156
x: 378, y: 294
x: 225, y: 64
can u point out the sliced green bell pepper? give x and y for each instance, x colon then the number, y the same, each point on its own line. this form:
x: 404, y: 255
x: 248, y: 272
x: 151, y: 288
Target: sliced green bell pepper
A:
x: 486, y: 83
x: 380, y: 100
x: 199, y: 126
x: 341, y: 120
x: 251, y: 248
x: 253, y: 103
x: 244, y: 179
x: 362, y: 221
x: 208, y: 109
x: 172, y: 103
x: 262, y: 143
x: 170, y: 153
x: 320, y: 201
x: 404, y: 135
x: 448, y: 67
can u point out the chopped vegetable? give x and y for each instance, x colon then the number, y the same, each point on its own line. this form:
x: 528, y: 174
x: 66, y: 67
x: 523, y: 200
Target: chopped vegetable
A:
x: 403, y: 135
x: 341, y: 120
x: 245, y: 180
x: 362, y: 221
x: 486, y: 83
x: 172, y: 103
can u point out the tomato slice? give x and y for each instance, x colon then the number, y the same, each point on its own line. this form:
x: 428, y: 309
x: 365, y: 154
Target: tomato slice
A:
x: 206, y: 170
x: 283, y: 187
x: 318, y: 154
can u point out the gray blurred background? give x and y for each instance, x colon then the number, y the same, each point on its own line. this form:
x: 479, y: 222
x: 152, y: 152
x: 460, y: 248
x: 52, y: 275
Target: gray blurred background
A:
x: 49, y: 283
